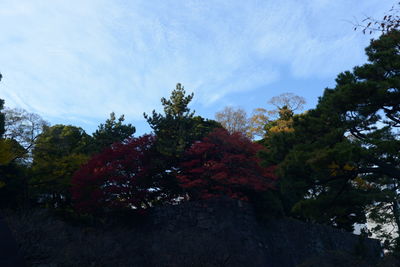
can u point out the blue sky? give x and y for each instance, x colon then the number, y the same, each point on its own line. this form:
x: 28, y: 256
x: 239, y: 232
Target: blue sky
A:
x: 75, y: 61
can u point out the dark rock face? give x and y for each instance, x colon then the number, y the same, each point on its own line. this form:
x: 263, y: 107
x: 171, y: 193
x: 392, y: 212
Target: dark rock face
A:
x: 225, y: 233
x: 209, y: 233
x: 9, y: 253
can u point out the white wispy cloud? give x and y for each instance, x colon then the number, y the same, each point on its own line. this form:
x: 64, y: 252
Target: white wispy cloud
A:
x: 82, y: 59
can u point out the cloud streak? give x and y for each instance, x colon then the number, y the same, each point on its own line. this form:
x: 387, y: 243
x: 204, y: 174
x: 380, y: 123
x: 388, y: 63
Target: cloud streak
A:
x: 83, y: 59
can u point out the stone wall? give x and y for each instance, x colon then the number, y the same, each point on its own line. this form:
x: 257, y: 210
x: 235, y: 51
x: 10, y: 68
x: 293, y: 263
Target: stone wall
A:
x: 209, y: 233
x: 225, y: 233
x: 9, y: 253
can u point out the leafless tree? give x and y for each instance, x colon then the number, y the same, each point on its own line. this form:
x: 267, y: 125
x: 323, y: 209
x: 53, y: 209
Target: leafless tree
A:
x: 389, y: 22
x: 23, y: 127
x: 233, y: 119
x: 288, y: 100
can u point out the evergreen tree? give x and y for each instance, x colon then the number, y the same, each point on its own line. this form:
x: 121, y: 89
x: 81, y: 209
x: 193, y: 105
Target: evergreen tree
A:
x: 173, y: 127
x: 112, y: 131
x: 175, y: 131
x: 343, y: 156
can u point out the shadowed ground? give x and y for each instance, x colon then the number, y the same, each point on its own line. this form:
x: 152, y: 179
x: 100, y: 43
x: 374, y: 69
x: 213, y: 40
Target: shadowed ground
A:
x: 9, y: 254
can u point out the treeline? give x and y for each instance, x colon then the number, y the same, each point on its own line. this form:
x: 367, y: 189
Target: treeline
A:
x: 38, y: 159
x: 62, y: 167
x: 336, y: 164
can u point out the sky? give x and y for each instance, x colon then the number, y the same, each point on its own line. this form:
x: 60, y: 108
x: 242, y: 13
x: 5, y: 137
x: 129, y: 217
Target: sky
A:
x: 75, y: 61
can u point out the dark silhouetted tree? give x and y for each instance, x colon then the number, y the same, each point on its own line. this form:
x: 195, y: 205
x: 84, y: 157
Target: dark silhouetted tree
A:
x: 342, y: 158
x: 112, y: 131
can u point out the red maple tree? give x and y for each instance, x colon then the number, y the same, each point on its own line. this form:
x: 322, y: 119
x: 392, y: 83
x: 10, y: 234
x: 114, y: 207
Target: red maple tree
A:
x: 119, y: 177
x: 224, y: 164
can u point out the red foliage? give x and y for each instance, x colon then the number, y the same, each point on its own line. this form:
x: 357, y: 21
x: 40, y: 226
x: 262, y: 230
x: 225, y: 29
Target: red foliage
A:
x: 224, y: 164
x: 119, y: 177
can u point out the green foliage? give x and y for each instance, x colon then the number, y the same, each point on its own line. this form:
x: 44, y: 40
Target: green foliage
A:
x: 13, y: 186
x: 59, y: 151
x: 343, y: 156
x: 175, y: 131
x: 367, y: 103
x: 112, y: 131
x: 315, y: 181
x: 23, y: 127
x: 10, y: 150
x: 13, y: 175
x: 174, y: 127
x: 2, y: 117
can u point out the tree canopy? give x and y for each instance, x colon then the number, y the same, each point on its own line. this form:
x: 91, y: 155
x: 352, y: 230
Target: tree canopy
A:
x: 59, y: 151
x: 121, y: 177
x: 173, y: 128
x: 13, y: 185
x: 112, y: 131
x: 234, y: 120
x: 224, y: 163
x: 23, y: 127
x: 176, y: 130
x: 336, y: 164
x: 343, y: 155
